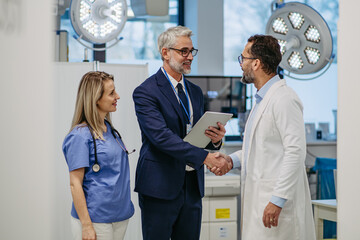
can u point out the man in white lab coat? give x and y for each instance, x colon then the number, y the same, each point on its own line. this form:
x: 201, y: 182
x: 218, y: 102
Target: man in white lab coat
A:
x: 275, y: 196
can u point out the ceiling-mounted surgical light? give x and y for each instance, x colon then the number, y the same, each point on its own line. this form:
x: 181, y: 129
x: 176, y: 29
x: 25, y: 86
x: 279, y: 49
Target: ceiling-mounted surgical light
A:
x: 295, y: 61
x: 312, y: 34
x: 282, y: 44
x: 279, y: 26
x: 98, y: 21
x: 296, y: 20
x: 312, y: 55
x: 304, y: 37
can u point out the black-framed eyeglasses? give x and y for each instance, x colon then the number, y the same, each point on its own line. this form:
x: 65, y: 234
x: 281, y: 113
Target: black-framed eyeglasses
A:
x: 241, y: 58
x: 185, y: 51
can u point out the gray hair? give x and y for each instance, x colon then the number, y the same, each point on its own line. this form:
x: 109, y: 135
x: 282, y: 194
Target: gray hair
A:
x: 168, y: 38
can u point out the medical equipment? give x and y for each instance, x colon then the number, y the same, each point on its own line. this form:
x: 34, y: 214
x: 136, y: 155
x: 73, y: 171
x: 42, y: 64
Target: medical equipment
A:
x: 304, y: 37
x: 96, y: 167
x: 98, y: 21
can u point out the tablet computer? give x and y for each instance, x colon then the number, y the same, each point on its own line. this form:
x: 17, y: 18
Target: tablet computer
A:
x: 197, y: 135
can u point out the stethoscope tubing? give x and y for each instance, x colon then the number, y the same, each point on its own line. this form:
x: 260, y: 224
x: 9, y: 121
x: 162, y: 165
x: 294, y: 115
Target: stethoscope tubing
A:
x: 96, y: 167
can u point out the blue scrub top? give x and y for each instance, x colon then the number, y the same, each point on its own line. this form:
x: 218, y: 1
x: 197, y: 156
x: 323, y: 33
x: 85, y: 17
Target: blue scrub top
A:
x: 107, y: 192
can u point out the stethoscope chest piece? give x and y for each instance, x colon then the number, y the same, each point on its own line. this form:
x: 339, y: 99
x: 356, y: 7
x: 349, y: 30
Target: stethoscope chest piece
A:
x: 96, y: 167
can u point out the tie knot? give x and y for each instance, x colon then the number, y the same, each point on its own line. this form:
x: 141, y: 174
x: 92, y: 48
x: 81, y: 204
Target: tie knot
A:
x: 179, y: 87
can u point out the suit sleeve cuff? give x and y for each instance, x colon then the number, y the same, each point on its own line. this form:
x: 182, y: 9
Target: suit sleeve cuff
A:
x: 278, y: 201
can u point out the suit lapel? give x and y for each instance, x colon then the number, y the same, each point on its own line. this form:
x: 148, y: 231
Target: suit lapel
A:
x: 167, y: 90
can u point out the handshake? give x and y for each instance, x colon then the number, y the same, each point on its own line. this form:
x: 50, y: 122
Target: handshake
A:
x: 218, y: 163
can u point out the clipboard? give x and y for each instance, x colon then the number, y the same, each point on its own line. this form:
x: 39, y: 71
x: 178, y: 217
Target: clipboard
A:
x: 197, y: 135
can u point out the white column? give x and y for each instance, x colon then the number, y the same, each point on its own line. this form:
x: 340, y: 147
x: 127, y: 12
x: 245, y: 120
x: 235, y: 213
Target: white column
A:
x: 348, y: 120
x: 26, y: 143
x: 205, y: 19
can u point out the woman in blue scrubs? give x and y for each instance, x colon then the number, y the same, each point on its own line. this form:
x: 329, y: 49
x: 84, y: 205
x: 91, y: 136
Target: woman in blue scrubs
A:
x: 99, y: 171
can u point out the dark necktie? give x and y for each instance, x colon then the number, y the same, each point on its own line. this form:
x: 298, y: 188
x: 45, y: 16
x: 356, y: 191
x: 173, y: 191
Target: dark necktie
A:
x: 184, y: 100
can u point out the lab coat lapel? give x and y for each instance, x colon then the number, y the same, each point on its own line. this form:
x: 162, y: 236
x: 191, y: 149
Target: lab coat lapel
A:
x: 262, y: 105
x: 167, y: 90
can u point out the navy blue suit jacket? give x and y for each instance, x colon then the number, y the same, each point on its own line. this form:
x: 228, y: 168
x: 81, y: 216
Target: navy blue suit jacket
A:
x: 160, y: 170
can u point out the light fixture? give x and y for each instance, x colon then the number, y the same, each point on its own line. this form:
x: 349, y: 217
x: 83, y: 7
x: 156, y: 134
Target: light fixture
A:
x: 98, y: 21
x: 303, y: 35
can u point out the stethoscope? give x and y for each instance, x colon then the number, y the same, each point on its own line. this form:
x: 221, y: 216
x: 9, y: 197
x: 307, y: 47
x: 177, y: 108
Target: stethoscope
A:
x: 96, y: 167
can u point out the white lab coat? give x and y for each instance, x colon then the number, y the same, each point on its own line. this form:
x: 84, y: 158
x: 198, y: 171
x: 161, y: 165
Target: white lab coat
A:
x: 276, y: 166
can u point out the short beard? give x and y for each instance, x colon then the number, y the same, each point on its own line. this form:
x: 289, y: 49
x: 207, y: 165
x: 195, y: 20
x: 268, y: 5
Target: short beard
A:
x: 248, y: 78
x: 178, y: 67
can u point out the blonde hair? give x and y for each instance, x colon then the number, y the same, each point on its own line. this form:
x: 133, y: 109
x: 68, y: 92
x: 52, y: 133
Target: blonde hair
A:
x: 91, y: 89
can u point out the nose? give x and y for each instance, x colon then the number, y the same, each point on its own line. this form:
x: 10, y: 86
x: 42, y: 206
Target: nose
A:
x: 190, y: 56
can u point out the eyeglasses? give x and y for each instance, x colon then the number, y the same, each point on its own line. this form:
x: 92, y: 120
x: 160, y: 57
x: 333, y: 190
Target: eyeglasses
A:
x: 185, y: 51
x: 241, y: 58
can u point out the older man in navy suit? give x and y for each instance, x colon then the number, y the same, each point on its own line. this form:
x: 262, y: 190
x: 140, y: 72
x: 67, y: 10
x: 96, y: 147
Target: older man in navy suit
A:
x: 170, y: 172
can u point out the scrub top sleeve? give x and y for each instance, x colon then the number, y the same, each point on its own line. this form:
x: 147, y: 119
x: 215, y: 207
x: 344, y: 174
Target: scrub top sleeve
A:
x: 76, y: 151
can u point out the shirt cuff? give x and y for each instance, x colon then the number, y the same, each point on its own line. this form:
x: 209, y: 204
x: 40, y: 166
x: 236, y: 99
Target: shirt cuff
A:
x: 278, y: 201
x: 236, y: 160
x: 217, y: 144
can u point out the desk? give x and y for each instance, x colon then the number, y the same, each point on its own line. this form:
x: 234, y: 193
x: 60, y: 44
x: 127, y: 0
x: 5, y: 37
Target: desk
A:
x: 323, y: 209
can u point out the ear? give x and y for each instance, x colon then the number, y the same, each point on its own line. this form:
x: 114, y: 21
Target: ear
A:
x: 256, y: 64
x: 165, y: 53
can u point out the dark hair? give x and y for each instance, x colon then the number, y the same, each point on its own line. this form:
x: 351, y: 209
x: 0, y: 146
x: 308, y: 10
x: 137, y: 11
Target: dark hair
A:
x: 267, y: 49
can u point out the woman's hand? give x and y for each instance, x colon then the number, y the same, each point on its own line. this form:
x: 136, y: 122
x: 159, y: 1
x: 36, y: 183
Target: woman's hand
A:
x: 88, y: 232
x: 77, y: 191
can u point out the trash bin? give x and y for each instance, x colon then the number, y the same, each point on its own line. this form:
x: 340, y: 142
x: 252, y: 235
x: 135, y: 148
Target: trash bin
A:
x: 325, y: 188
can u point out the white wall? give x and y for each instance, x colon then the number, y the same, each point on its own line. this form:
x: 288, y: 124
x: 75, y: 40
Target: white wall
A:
x: 27, y: 121
x: 27, y: 147
x: 348, y: 120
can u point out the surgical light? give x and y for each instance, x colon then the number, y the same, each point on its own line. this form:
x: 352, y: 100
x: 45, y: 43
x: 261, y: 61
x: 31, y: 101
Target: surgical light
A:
x: 296, y: 20
x: 312, y: 55
x: 295, y: 61
x: 312, y: 34
x: 303, y: 35
x: 279, y: 26
x: 282, y: 44
x: 98, y: 21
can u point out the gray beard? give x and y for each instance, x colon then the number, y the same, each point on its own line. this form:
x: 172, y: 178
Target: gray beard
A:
x: 178, y: 67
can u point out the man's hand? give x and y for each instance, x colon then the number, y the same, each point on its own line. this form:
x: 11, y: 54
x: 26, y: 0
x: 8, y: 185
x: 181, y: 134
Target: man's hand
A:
x: 215, y: 134
x: 218, y: 171
x: 271, y: 215
x: 215, y: 160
